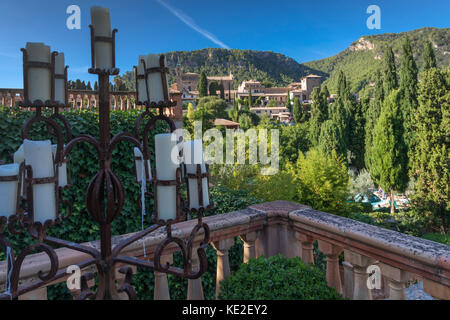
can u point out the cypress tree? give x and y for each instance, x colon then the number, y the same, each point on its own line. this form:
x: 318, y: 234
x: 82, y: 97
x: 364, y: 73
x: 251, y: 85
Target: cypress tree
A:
x: 330, y: 139
x: 430, y: 162
x: 319, y: 114
x: 297, y: 110
x: 222, y: 91
x: 325, y: 91
x: 95, y: 86
x: 202, y: 85
x: 288, y: 102
x: 390, y: 161
x: 389, y: 72
x: 429, y: 58
x: 408, y: 90
x: 372, y: 115
x: 357, y: 136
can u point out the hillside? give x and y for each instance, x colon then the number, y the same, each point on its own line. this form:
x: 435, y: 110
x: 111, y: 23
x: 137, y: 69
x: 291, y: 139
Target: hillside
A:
x: 243, y: 64
x: 361, y: 60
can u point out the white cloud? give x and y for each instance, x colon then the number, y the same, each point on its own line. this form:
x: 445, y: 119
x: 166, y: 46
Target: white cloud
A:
x: 191, y: 23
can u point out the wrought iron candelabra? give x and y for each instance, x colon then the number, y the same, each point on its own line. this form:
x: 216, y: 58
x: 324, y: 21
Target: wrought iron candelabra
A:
x: 104, y: 197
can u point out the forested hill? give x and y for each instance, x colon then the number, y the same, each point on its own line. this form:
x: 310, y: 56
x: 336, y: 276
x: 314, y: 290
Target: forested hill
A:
x: 266, y: 66
x: 361, y: 60
x: 243, y: 64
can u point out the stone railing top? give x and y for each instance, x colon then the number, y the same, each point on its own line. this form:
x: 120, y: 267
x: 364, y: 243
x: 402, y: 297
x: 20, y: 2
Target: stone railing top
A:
x: 428, y: 259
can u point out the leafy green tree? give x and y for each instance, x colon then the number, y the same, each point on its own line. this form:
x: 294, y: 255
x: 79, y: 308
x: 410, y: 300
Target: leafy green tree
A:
x: 293, y: 140
x: 214, y: 105
x: 297, y: 110
x: 331, y: 140
x: 245, y: 122
x: 429, y: 58
x: 389, y: 71
x: 202, y: 85
x: 315, y: 179
x: 390, y: 161
x: 408, y: 90
x: 319, y: 114
x: 431, y: 159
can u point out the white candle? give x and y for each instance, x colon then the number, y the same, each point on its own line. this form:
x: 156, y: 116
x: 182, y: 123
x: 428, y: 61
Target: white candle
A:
x: 142, y: 88
x: 38, y: 154
x: 39, y: 79
x: 101, y: 22
x: 60, y: 92
x: 62, y: 170
x: 8, y: 189
x: 19, y: 158
x: 193, y: 155
x: 138, y: 164
x: 155, y: 87
x: 166, y: 170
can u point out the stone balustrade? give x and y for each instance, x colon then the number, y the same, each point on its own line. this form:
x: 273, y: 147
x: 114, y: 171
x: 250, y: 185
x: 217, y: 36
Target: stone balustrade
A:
x: 351, y: 249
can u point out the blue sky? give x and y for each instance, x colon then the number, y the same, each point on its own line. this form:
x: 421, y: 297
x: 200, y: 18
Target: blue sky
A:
x: 303, y: 30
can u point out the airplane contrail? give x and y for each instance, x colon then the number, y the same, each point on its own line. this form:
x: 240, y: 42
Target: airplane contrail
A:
x: 191, y: 23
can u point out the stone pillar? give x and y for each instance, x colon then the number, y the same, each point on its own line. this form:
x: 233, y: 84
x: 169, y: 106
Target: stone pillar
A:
x: 332, y: 253
x: 396, y: 280
x: 128, y: 102
x: 38, y: 294
x: 161, y: 291
x: 436, y: 290
x: 13, y: 100
x: 249, y: 240
x: 360, y: 264
x: 195, y: 288
x: 307, y: 247
x: 223, y: 263
x: 348, y: 285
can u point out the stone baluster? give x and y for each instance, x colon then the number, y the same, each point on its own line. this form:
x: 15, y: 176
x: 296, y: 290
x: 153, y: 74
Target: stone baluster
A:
x: 249, y: 240
x: 161, y: 291
x: 307, y: 247
x: 360, y: 264
x: 436, y: 290
x: 348, y: 285
x: 195, y: 288
x: 223, y: 263
x: 332, y: 253
x: 396, y: 280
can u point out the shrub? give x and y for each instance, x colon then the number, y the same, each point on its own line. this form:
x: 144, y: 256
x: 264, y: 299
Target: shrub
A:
x: 277, y: 278
x: 438, y: 237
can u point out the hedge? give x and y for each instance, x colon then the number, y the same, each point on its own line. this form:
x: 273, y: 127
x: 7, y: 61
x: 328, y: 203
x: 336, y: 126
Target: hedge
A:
x: 84, y: 165
x: 277, y: 278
